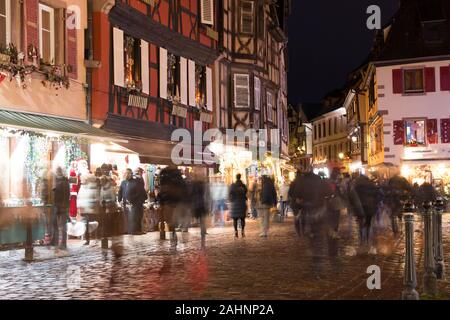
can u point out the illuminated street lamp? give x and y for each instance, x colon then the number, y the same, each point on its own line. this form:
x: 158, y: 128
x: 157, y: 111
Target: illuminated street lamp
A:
x: 341, y: 155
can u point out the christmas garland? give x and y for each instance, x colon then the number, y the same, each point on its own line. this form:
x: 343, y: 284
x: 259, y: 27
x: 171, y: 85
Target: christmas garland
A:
x: 15, y: 68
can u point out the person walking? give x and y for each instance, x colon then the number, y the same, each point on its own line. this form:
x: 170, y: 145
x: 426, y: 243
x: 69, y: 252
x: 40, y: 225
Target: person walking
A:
x: 266, y: 200
x: 172, y: 190
x: 61, y: 193
x: 199, y: 211
x: 284, y: 197
x: 87, y: 201
x: 238, y: 200
x: 335, y: 203
x: 136, y: 196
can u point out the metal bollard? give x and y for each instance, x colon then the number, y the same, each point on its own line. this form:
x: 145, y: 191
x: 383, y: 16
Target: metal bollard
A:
x: 429, y: 278
x: 410, y: 276
x: 104, y: 237
x: 438, y: 245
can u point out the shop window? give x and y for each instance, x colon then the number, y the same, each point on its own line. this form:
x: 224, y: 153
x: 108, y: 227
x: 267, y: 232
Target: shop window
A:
x: 132, y: 63
x: 414, y: 80
x: 200, y: 86
x: 415, y: 132
x: 247, y: 17
x: 47, y: 34
x: 5, y: 23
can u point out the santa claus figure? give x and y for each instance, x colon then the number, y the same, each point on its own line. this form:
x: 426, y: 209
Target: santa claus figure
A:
x: 74, y: 181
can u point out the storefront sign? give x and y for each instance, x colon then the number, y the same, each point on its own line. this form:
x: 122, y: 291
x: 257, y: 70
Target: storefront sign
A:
x: 206, y: 117
x: 445, y: 130
x: 137, y: 101
x: 179, y: 111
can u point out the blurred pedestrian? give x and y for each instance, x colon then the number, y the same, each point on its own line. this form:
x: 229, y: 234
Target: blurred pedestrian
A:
x: 171, y: 194
x: 61, y: 193
x: 266, y: 201
x: 284, y: 197
x: 238, y: 200
x: 335, y: 203
x: 136, y: 196
x: 198, y: 203
x: 88, y: 199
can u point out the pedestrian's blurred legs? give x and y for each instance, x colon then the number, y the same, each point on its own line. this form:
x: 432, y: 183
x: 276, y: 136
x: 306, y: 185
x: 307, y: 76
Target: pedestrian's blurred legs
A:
x: 265, y: 220
x: 203, y: 226
x: 54, y: 223
x: 243, y: 227
x: 87, y: 235
x: 62, y: 223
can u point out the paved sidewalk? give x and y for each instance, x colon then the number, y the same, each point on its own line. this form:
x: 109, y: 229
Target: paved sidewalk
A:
x: 279, y: 267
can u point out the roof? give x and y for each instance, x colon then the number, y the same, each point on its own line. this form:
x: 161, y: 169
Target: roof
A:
x: 420, y: 28
x: 45, y: 123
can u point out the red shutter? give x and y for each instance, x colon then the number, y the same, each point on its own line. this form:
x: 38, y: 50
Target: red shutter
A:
x: 397, y: 80
x: 399, y: 132
x: 72, y: 63
x: 430, y: 80
x: 445, y: 130
x: 32, y: 23
x: 432, y: 131
x: 445, y: 78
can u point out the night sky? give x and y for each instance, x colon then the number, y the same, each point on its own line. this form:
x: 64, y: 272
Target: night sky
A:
x: 327, y: 40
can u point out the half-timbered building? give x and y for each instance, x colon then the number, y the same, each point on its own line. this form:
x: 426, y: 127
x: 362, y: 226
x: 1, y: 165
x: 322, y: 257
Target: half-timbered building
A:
x: 252, y: 68
x: 152, y: 71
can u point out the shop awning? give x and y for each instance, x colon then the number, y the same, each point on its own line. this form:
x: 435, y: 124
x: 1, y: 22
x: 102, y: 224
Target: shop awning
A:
x: 41, y: 123
x: 159, y: 152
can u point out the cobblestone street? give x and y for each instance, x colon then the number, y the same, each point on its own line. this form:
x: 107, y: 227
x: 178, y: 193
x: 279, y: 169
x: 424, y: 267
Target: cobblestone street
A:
x: 279, y: 267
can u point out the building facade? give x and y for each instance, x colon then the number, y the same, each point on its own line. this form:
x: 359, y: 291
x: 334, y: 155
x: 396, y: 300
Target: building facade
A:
x: 413, y: 84
x: 252, y: 69
x: 153, y: 74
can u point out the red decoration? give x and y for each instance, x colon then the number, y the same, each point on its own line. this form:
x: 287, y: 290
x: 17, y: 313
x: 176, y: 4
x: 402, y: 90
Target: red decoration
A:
x: 399, y: 132
x: 445, y: 130
x: 2, y: 77
x: 432, y: 131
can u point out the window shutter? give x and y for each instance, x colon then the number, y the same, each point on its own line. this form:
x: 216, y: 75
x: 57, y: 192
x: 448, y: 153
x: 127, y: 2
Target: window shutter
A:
x: 183, y: 81
x: 32, y: 12
x: 207, y: 11
x: 397, y: 80
x: 145, y: 67
x: 257, y: 94
x: 72, y: 52
x: 445, y: 78
x: 432, y: 131
x: 163, y: 73
x: 241, y: 91
x: 445, y: 130
x: 119, y: 68
x: 191, y: 66
x: 399, y: 132
x: 269, y: 106
x: 430, y: 80
x: 209, y: 89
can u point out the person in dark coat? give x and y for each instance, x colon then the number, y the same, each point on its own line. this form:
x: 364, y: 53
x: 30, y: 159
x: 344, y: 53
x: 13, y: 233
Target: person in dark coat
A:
x: 136, y: 196
x: 397, y: 190
x: 171, y: 193
x: 365, y: 200
x: 267, y: 199
x: 238, y: 200
x: 427, y: 194
x: 198, y: 203
x: 61, y: 192
x: 307, y: 193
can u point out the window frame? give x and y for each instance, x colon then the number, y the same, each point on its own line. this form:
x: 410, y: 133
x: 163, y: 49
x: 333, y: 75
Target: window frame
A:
x: 269, y: 106
x: 136, y: 71
x: 8, y: 20
x: 425, y: 138
x: 414, y: 91
x: 51, y: 11
x: 241, y: 17
x: 236, y: 86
